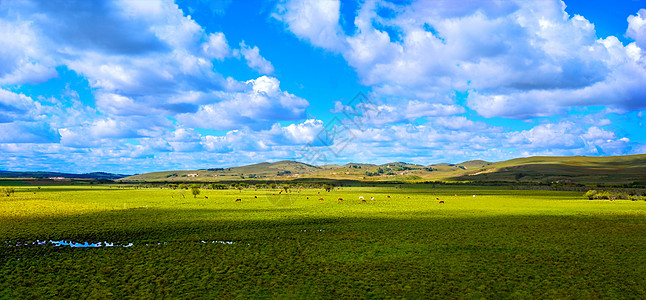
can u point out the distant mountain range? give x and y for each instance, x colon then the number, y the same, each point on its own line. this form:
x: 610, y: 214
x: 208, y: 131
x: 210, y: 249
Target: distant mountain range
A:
x: 93, y: 175
x: 575, y: 169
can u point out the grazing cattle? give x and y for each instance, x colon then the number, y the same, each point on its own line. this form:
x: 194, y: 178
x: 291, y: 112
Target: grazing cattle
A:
x: 437, y: 198
x: 363, y: 200
x: 408, y: 197
x: 360, y: 197
x: 340, y: 199
x: 441, y: 201
x: 456, y: 195
x: 280, y: 192
x: 307, y: 197
x: 255, y: 197
x: 388, y: 196
x: 320, y: 198
x: 474, y: 196
x: 205, y: 197
x: 238, y: 199
x: 372, y: 198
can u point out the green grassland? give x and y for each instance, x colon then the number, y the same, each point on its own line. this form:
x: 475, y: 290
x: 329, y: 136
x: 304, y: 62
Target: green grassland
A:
x: 542, y: 169
x: 499, y: 244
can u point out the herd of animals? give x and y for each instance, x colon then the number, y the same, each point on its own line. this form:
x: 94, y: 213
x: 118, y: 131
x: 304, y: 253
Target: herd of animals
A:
x: 341, y: 199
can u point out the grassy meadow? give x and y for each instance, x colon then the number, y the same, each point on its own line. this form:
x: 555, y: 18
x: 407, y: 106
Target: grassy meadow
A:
x: 499, y: 244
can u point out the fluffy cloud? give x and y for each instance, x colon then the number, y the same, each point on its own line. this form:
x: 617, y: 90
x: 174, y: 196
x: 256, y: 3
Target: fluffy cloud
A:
x: 105, y: 27
x: 560, y: 135
x: 150, y: 68
x: 22, y: 120
x: 460, y: 123
x: 637, y: 28
x: 98, y: 133
x: 315, y: 21
x: 140, y: 57
x: 443, y: 139
x: 258, y: 106
x: 254, y: 60
x: 417, y: 109
x: 130, y: 48
x: 396, y: 112
x: 108, y: 132
x: 146, y: 63
x: 28, y: 132
x: 22, y: 59
x: 297, y: 134
x: 115, y: 104
x: 288, y: 139
x: 568, y: 138
x: 424, y: 144
x: 519, y: 59
x: 15, y: 106
x: 216, y: 46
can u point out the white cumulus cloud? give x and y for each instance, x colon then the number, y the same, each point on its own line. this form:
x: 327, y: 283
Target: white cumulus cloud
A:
x: 315, y: 21
x: 216, y: 46
x: 255, y: 60
x: 637, y: 28
x: 260, y: 104
x: 518, y: 59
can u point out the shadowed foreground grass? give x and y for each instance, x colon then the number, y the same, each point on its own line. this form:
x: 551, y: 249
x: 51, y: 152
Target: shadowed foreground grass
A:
x: 501, y: 244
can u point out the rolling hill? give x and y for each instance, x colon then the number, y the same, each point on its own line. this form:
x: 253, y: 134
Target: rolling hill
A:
x: 282, y: 169
x: 576, y: 169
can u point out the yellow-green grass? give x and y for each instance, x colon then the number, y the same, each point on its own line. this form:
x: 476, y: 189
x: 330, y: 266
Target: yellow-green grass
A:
x: 500, y: 244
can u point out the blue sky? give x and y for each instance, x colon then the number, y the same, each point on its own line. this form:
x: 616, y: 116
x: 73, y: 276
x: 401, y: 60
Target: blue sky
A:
x: 138, y: 86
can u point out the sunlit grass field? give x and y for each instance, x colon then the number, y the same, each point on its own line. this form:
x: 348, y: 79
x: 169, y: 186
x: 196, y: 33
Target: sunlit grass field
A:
x: 498, y: 244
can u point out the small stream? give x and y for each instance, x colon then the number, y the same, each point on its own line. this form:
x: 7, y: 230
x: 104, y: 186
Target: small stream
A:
x: 72, y: 244
x: 68, y: 243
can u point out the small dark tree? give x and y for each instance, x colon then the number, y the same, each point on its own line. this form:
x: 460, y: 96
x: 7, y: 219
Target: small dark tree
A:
x: 8, y: 191
x: 196, y: 191
x: 328, y: 187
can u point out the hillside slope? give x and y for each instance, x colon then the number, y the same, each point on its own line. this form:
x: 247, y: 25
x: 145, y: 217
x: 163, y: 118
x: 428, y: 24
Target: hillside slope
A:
x: 261, y: 171
x: 579, y: 169
x: 576, y: 169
